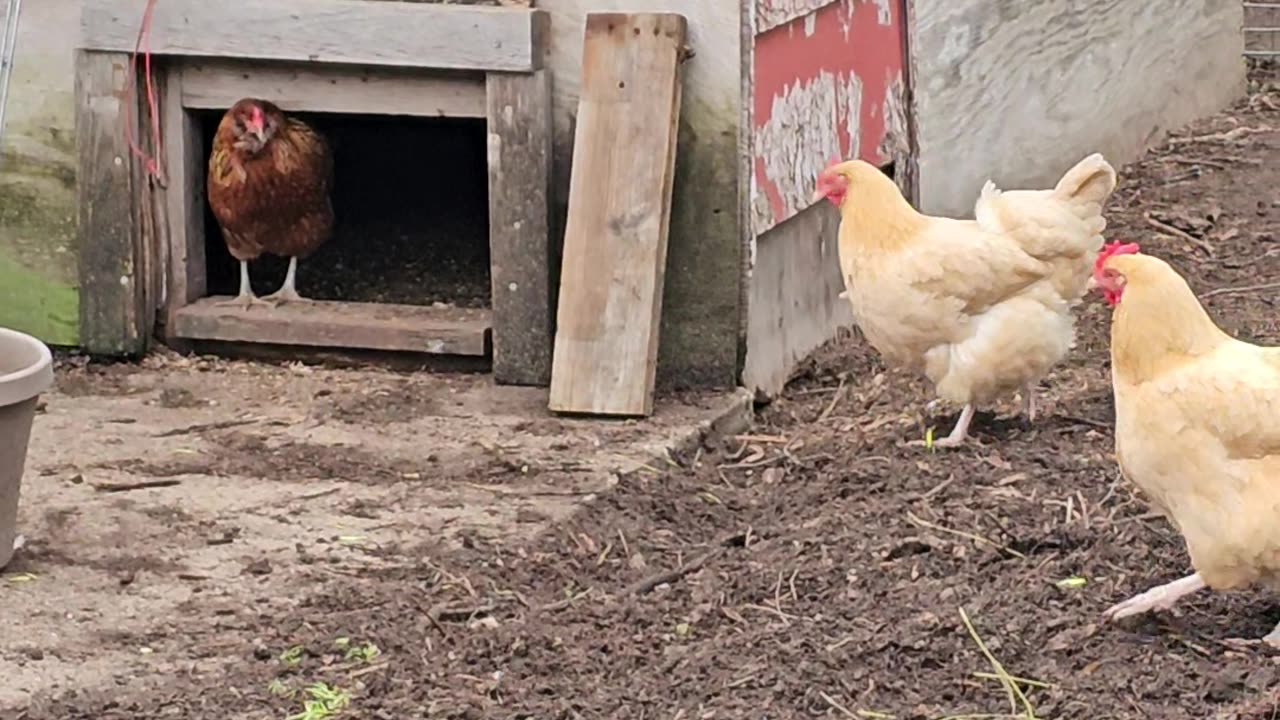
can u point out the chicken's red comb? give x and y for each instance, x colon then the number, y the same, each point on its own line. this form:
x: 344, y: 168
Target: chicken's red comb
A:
x: 1115, y: 248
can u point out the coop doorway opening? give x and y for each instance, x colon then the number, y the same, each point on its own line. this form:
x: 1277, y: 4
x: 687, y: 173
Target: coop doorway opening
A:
x: 411, y: 219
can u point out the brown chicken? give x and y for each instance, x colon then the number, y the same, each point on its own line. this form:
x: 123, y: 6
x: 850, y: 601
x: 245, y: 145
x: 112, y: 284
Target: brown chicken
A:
x: 980, y: 307
x: 1197, y: 428
x: 269, y: 181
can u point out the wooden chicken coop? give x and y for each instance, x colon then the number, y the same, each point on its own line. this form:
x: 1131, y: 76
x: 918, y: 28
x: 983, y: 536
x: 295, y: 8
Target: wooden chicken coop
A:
x: 147, y: 251
x: 938, y: 94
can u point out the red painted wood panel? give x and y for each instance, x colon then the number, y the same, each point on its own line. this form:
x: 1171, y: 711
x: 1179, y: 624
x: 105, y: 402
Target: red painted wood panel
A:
x: 821, y: 83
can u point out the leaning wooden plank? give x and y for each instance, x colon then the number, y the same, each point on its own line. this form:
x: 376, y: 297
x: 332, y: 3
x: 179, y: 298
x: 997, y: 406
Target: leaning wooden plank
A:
x: 615, y: 245
x: 218, y: 84
x: 329, y: 31
x: 112, y: 291
x: 519, y: 226
x: 365, y: 326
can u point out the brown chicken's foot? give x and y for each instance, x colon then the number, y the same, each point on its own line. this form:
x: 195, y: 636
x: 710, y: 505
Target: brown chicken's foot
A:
x: 1161, y: 597
x: 245, y: 301
x: 284, y: 295
x: 288, y: 292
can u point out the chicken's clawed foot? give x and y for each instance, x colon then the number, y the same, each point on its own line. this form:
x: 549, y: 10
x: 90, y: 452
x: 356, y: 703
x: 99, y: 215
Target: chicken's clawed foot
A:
x: 1161, y: 597
x: 1273, y: 638
x: 283, y: 295
x: 959, y: 434
x: 246, y: 301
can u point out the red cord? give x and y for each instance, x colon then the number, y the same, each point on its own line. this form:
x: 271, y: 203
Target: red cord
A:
x: 152, y: 164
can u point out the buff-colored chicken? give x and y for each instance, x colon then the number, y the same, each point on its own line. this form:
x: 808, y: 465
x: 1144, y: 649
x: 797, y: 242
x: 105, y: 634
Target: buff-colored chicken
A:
x: 269, y: 181
x: 981, y: 307
x: 1197, y: 428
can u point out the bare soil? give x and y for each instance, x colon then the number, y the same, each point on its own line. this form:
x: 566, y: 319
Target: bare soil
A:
x: 814, y: 568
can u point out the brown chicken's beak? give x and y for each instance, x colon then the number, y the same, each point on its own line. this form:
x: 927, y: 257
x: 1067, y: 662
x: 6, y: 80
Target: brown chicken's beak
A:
x: 260, y: 133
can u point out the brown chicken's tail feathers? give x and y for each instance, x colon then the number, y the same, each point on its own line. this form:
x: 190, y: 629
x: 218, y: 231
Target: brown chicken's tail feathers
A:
x: 1090, y: 182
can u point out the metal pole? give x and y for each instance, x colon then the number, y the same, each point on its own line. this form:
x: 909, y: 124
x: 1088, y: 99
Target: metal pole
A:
x: 10, y: 41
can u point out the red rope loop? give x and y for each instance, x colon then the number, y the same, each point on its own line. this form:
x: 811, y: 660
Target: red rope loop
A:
x: 152, y: 164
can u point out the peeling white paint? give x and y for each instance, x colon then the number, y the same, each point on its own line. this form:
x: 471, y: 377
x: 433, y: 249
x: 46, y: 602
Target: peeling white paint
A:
x: 774, y: 13
x: 884, y: 15
x: 801, y: 137
x: 810, y: 24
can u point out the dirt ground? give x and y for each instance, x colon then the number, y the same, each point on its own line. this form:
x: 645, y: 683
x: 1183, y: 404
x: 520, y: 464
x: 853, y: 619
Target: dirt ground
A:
x: 172, y: 505
x: 813, y: 568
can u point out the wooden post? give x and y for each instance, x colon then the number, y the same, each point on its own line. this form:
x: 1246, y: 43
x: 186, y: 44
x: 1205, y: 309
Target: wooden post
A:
x: 109, y: 238
x: 187, y: 280
x: 520, y: 132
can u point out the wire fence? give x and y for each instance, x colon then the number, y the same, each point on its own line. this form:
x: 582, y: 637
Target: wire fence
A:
x: 1262, y: 29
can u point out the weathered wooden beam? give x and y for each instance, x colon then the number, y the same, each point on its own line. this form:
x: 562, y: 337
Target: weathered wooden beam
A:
x: 327, y: 324
x: 333, y: 31
x: 218, y: 84
x: 109, y: 238
x: 187, y: 278
x: 520, y: 137
x: 615, y: 241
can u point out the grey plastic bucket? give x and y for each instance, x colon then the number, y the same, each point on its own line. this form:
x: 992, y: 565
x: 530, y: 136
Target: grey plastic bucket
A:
x: 26, y: 370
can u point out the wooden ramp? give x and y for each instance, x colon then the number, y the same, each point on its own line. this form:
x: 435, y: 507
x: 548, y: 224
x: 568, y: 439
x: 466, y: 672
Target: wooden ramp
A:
x: 615, y: 245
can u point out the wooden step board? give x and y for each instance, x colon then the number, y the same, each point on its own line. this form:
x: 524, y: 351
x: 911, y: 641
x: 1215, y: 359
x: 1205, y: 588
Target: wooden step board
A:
x: 350, y: 325
x: 615, y: 245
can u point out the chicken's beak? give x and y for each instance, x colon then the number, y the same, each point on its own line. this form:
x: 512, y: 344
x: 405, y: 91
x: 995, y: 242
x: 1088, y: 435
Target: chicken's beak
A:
x: 260, y: 133
x: 817, y: 195
x: 1091, y: 284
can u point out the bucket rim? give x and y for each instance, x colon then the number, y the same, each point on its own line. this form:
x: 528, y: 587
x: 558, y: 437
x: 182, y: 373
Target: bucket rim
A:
x: 30, y: 381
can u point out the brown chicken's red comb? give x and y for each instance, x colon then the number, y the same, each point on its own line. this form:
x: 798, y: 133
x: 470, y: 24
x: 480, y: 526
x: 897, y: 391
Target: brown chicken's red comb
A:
x: 1115, y: 248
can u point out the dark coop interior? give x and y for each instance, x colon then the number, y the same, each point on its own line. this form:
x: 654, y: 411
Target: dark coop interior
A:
x: 410, y: 202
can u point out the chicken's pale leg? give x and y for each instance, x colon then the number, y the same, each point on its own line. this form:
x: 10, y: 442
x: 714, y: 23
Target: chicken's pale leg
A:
x: 1030, y: 391
x: 1161, y: 597
x: 959, y: 433
x: 245, y: 298
x: 287, y: 292
x: 1273, y: 638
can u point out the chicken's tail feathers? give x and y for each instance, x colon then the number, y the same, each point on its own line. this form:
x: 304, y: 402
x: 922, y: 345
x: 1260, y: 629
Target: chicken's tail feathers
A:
x: 983, y: 211
x: 1090, y: 182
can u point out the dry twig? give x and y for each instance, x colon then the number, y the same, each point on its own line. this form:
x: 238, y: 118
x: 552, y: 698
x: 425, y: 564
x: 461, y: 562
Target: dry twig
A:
x: 1240, y: 290
x: 1178, y: 232
x: 139, y: 485
x: 960, y: 533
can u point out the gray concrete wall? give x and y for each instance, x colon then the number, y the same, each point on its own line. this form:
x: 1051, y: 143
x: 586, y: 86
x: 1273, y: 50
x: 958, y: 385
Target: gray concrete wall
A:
x: 37, y: 177
x: 1000, y: 97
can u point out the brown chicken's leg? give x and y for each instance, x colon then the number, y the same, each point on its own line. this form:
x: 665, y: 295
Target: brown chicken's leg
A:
x: 245, y: 299
x: 287, y: 292
x: 1161, y: 597
x: 959, y: 433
